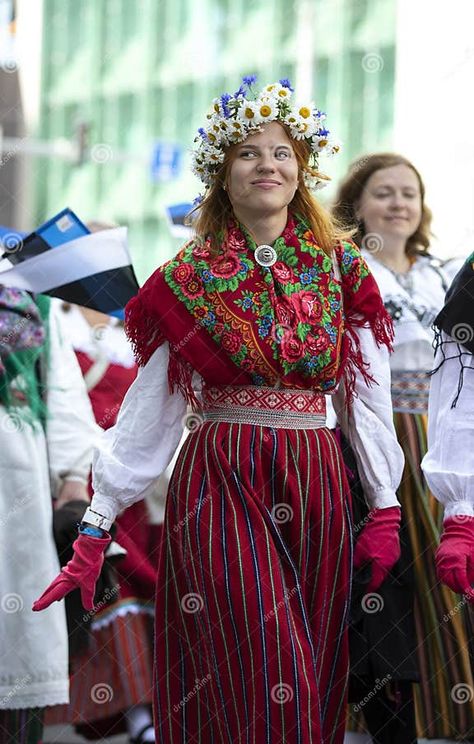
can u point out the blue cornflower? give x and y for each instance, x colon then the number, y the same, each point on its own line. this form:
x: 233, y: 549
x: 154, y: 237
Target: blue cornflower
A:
x: 206, y: 276
x: 239, y: 92
x: 286, y: 84
x: 198, y: 200
x: 323, y: 132
x: 202, y: 132
x: 306, y: 278
x: 249, y: 80
x: 225, y: 98
x: 209, y: 319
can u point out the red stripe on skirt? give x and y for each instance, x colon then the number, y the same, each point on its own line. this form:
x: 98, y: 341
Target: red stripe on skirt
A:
x: 253, y: 585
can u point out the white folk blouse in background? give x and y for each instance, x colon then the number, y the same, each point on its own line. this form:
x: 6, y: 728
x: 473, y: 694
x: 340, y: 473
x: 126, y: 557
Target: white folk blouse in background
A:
x: 449, y: 462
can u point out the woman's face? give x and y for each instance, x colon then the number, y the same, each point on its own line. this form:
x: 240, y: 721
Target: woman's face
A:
x: 263, y: 177
x: 390, y: 204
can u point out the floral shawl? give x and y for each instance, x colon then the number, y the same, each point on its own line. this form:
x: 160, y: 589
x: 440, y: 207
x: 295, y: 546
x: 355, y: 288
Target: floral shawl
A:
x: 236, y: 322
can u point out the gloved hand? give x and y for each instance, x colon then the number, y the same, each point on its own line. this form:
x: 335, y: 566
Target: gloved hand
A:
x: 455, y: 555
x: 379, y: 544
x: 82, y: 571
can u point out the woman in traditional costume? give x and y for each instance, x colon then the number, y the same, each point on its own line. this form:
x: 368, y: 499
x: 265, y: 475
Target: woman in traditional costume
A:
x: 47, y: 432
x: 404, y: 635
x: 269, y: 307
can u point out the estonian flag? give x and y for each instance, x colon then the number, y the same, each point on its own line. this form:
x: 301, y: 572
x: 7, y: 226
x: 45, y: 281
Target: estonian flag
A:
x: 89, y: 269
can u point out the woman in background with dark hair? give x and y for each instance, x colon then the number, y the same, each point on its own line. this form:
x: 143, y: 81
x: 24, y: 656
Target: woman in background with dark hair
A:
x: 412, y: 629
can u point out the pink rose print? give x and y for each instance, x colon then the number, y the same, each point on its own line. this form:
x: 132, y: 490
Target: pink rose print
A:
x: 183, y: 273
x: 225, y: 266
x: 231, y: 342
x: 317, y: 341
x: 193, y: 288
x: 282, y: 272
x: 308, y: 307
x: 291, y: 348
x: 201, y: 251
x: 284, y: 312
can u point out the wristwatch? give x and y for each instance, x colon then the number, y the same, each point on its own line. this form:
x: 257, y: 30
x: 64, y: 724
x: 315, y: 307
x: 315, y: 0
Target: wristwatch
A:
x: 96, y: 519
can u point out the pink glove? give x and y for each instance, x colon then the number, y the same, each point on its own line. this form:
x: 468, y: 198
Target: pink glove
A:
x: 379, y: 544
x: 455, y: 555
x: 82, y: 571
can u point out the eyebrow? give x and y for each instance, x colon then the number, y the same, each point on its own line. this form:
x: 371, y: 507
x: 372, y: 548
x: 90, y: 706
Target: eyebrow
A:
x: 257, y: 147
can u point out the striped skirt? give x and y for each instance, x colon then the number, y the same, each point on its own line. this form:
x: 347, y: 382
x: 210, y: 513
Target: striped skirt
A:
x: 444, y: 698
x: 253, y: 589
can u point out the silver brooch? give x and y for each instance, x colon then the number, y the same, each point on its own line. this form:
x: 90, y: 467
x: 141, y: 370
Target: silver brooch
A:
x: 265, y: 255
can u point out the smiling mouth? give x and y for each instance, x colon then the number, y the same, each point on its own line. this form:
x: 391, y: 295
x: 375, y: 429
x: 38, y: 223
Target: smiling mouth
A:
x: 266, y: 183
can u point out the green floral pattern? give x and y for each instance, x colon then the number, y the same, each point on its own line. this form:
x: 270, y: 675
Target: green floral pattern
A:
x: 283, y: 324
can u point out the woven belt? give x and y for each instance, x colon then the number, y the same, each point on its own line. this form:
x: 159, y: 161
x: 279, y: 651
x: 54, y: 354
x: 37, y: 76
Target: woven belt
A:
x: 410, y: 390
x: 264, y: 406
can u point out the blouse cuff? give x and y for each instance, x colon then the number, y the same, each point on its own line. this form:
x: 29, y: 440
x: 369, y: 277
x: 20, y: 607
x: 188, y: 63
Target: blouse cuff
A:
x: 458, y: 508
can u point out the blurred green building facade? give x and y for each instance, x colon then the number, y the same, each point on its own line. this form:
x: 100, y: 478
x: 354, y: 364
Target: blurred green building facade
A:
x: 137, y: 71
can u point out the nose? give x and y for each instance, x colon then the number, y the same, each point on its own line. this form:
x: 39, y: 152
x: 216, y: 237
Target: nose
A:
x: 265, y: 163
x: 398, y: 200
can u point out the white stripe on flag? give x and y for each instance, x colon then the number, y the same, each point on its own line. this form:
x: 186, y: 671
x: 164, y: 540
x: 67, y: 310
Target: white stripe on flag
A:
x: 70, y: 262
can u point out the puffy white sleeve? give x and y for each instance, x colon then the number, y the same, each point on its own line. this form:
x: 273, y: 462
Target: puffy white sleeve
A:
x: 369, y: 427
x: 71, y: 430
x: 138, y: 449
x: 449, y: 463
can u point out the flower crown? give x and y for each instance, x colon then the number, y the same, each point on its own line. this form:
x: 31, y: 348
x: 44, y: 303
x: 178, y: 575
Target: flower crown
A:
x: 233, y: 118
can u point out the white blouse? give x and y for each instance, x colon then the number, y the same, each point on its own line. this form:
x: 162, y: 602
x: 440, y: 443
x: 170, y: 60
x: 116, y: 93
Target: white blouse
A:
x: 413, y: 300
x: 137, y: 450
x: 449, y: 463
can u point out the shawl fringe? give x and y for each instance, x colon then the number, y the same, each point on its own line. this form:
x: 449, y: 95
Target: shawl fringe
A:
x: 142, y: 331
x: 381, y: 325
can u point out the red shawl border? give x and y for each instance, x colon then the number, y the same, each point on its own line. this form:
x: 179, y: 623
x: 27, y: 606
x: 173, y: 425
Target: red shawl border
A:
x: 362, y: 309
x: 154, y: 316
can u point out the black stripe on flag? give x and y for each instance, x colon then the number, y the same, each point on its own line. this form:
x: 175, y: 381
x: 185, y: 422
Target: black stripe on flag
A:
x: 106, y: 291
